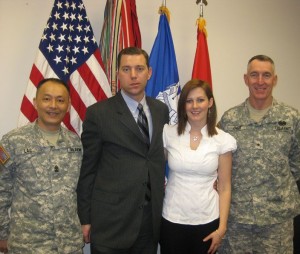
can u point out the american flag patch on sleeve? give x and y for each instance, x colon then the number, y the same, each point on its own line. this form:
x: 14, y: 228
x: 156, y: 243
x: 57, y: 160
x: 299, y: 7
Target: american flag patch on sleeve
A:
x: 3, y: 155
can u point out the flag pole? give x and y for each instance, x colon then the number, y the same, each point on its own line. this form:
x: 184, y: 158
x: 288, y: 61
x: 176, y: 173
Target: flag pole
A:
x: 164, y: 3
x: 201, y: 6
x: 201, y: 9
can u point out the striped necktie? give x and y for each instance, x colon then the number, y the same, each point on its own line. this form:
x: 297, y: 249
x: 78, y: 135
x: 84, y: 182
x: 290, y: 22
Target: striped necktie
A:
x: 144, y: 128
x: 143, y: 124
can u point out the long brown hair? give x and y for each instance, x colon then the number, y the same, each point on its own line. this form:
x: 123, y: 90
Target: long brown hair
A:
x: 212, y: 112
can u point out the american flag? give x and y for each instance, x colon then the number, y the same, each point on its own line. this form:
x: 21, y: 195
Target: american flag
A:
x: 68, y: 50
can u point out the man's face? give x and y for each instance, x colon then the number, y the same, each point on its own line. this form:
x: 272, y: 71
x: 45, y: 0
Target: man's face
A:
x: 52, y: 103
x: 260, y: 79
x: 133, y: 75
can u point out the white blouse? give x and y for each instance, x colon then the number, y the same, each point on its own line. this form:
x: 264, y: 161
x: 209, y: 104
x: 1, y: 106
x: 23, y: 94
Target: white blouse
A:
x: 190, y: 197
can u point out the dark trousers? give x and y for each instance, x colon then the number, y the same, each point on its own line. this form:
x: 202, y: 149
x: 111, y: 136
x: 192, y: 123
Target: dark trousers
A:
x: 185, y: 239
x: 297, y: 234
x: 144, y: 244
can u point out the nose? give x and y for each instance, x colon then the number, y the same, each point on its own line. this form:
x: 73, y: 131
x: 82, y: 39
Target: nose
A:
x: 53, y: 103
x: 260, y: 79
x: 195, y: 104
x: 133, y: 73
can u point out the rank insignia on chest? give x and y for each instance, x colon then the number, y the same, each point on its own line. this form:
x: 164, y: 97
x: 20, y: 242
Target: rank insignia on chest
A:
x: 4, y: 156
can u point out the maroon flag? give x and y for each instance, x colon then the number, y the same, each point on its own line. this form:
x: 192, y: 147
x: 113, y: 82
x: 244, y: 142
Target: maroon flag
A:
x: 120, y: 30
x: 68, y: 50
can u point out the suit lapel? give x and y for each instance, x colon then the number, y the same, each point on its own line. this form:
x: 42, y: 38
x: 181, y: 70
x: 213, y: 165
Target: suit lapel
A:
x: 155, y: 124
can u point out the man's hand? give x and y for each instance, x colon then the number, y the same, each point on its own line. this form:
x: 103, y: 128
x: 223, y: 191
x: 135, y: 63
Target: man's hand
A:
x: 86, y: 230
x: 216, y: 185
x: 3, y: 246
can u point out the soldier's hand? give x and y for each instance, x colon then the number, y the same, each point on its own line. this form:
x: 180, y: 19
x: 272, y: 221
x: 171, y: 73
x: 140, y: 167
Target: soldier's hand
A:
x: 215, y: 186
x: 86, y: 230
x: 3, y: 246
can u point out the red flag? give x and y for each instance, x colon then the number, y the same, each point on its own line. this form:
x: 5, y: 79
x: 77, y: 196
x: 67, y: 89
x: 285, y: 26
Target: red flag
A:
x: 68, y: 50
x: 120, y: 30
x: 130, y: 25
x: 201, y: 69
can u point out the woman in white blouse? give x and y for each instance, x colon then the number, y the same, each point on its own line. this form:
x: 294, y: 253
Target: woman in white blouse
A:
x: 194, y: 212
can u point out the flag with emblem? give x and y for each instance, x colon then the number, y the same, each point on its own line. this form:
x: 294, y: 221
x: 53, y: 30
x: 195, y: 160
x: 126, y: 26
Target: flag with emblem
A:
x: 68, y: 50
x: 120, y: 30
x: 164, y: 82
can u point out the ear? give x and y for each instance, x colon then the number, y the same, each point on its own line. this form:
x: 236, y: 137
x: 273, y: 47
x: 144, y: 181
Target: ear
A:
x: 34, y: 103
x: 275, y: 80
x: 246, y: 79
x: 211, y: 102
x: 149, y: 73
x: 69, y: 107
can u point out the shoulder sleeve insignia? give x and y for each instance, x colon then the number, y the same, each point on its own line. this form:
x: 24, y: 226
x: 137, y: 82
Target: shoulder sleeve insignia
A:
x: 4, y: 156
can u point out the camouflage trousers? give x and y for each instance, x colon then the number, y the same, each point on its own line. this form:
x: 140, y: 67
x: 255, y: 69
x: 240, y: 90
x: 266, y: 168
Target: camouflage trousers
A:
x: 253, y: 239
x: 42, y: 250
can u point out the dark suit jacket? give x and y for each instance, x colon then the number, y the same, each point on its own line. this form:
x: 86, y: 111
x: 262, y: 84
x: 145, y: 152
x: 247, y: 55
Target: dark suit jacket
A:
x: 116, y: 162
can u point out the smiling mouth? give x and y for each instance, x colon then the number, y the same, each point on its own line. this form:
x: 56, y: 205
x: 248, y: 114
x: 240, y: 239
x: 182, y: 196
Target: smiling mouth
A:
x: 52, y: 113
x: 260, y: 88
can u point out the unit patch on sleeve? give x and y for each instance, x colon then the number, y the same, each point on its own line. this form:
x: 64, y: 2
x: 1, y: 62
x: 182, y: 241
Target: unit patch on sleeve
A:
x: 4, y: 156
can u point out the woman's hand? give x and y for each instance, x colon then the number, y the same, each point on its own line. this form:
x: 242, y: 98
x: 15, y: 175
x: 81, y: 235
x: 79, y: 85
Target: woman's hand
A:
x: 216, y: 239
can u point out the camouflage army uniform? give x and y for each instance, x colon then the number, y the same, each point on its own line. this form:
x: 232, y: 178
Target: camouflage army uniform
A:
x: 39, y: 182
x: 266, y: 166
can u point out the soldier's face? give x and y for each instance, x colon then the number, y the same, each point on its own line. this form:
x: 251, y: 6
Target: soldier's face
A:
x: 52, y: 103
x: 260, y: 79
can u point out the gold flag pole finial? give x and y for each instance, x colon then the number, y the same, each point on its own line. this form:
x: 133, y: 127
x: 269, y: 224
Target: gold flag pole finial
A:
x: 164, y: 10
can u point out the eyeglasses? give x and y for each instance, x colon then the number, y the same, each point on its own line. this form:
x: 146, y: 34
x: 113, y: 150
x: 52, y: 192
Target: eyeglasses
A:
x: 264, y: 76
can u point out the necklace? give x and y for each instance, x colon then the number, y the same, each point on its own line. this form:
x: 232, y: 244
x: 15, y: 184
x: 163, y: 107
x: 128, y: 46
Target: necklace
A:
x: 195, y: 138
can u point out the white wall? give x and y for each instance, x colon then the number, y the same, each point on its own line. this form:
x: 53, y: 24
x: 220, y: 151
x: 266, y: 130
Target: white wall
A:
x: 237, y: 30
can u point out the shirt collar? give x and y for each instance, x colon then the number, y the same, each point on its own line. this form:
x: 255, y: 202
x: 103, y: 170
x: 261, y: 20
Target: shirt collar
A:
x: 203, y: 130
x: 131, y: 103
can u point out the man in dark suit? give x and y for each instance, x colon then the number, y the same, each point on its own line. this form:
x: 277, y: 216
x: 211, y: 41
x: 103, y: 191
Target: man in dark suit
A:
x: 121, y: 185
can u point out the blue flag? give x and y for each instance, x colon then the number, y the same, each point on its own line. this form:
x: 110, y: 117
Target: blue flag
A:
x: 164, y: 82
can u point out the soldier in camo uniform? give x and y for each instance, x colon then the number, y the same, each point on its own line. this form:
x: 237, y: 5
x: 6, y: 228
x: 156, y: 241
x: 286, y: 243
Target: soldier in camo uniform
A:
x: 38, y: 180
x: 266, y: 166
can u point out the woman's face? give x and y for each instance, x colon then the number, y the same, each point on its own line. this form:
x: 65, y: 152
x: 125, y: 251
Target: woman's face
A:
x: 197, y: 105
